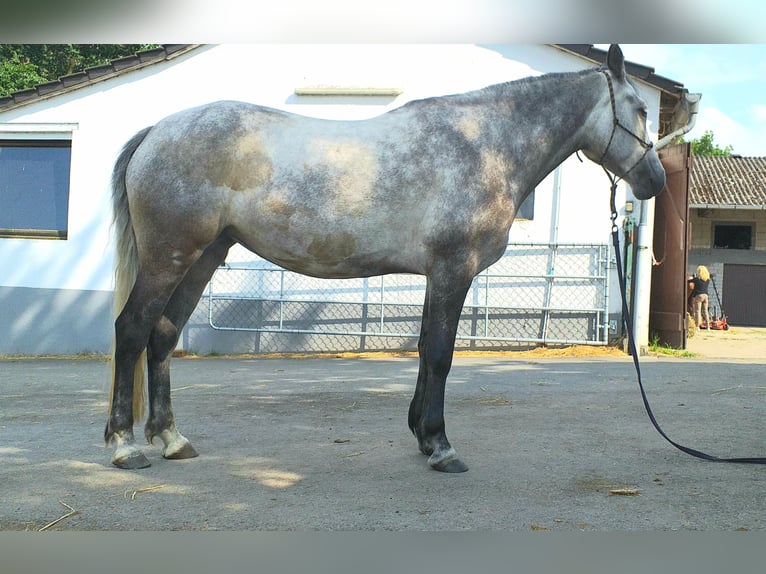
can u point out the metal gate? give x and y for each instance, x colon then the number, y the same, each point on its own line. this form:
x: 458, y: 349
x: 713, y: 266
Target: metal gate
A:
x: 536, y: 293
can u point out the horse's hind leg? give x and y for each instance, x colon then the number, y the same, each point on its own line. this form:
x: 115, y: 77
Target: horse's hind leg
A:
x: 441, y: 314
x: 141, y: 312
x: 162, y: 341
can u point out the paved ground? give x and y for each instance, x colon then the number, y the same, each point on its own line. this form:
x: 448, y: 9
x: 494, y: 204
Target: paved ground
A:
x: 322, y: 444
x: 738, y: 343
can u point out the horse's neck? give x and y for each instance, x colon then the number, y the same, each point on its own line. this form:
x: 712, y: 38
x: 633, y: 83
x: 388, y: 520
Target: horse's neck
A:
x: 548, y: 117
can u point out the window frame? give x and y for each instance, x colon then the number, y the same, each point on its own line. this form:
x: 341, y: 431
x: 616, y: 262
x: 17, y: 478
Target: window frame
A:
x: 39, y: 136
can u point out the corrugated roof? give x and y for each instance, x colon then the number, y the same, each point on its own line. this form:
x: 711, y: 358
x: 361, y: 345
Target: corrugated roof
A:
x: 93, y: 75
x: 728, y: 182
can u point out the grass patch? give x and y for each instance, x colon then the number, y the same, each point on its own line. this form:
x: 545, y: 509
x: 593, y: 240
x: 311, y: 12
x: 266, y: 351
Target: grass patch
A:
x: 665, y: 349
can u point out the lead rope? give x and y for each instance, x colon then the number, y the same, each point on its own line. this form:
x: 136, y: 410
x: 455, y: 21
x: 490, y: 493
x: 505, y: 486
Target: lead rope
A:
x: 632, y: 348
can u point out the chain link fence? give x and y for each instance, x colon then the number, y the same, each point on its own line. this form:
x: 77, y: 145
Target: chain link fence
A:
x: 535, y: 294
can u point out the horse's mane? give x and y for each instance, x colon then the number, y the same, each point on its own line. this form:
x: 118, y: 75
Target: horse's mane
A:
x: 502, y: 87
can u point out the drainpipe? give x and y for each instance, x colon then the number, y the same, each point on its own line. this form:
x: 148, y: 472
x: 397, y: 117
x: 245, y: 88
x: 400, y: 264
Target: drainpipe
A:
x: 643, y: 276
x: 684, y: 116
x: 554, y: 240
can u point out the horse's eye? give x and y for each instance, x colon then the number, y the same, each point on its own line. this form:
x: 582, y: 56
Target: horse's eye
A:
x: 643, y: 112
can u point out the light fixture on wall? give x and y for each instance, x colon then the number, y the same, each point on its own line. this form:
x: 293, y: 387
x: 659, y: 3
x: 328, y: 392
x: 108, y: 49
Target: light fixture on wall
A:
x: 347, y: 91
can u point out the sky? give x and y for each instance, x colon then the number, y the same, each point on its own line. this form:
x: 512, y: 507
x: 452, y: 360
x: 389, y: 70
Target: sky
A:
x: 730, y: 77
x: 732, y: 81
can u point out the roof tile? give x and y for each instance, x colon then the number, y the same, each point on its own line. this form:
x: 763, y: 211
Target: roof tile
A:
x: 73, y: 79
x: 97, y: 71
x: 727, y: 181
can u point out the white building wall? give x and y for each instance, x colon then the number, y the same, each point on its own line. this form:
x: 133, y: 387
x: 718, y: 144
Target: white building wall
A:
x: 107, y: 114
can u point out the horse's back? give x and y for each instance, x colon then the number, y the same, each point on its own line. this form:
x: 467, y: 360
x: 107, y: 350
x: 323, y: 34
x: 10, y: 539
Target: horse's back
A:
x: 323, y: 197
x: 313, y: 195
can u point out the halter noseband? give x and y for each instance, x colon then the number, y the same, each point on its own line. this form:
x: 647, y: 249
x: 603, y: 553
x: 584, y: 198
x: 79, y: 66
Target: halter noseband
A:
x: 614, y: 179
x: 616, y: 124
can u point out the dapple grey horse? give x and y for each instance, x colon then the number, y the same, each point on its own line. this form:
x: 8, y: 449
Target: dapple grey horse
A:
x: 429, y: 188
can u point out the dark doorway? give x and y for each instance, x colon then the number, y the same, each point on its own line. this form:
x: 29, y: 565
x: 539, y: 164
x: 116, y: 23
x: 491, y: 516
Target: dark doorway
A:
x: 743, y: 294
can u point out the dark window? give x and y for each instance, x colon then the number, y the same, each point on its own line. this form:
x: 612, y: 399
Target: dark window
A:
x: 34, y: 188
x: 732, y: 236
x: 527, y: 209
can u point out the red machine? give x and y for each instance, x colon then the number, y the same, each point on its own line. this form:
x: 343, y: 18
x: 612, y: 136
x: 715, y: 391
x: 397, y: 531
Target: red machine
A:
x: 718, y: 322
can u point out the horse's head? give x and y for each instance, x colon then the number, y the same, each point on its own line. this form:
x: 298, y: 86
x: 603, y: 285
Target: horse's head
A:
x: 619, y: 140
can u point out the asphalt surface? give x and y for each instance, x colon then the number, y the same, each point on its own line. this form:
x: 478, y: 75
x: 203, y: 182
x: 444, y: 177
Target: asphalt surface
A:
x: 323, y: 444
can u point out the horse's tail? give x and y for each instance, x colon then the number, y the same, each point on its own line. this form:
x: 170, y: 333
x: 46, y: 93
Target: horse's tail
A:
x: 126, y: 262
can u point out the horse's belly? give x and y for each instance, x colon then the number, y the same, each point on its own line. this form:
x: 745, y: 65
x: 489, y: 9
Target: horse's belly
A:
x: 329, y: 253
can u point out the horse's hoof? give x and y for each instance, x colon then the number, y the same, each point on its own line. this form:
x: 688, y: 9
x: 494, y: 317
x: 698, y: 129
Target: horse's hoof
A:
x: 185, y: 451
x: 447, y: 462
x: 177, y: 446
x: 132, y: 462
x: 454, y: 465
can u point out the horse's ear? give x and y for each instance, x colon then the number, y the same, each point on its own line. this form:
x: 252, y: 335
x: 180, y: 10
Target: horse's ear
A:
x: 615, y: 61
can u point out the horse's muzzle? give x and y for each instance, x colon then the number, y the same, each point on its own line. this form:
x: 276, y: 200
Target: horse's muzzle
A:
x: 648, y: 179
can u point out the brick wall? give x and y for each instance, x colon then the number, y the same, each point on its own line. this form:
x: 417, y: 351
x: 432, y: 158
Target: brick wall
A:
x: 702, y: 222
x: 701, y: 250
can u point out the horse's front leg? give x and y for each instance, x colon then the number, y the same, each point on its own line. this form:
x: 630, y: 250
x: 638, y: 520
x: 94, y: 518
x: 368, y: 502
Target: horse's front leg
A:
x: 416, y: 405
x: 441, y: 315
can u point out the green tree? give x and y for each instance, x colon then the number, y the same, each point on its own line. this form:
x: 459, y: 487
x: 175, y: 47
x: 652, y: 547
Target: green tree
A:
x: 17, y: 73
x: 704, y: 146
x: 25, y: 65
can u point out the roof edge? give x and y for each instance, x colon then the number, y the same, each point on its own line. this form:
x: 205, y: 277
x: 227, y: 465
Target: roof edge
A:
x: 167, y: 52
x: 93, y: 75
x: 639, y: 71
x: 720, y: 206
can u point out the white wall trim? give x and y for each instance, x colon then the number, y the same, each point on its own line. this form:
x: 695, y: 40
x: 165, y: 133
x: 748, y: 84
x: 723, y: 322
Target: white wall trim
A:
x: 37, y: 131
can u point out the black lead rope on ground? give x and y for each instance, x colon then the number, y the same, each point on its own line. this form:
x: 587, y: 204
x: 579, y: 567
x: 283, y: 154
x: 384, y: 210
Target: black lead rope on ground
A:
x: 632, y: 348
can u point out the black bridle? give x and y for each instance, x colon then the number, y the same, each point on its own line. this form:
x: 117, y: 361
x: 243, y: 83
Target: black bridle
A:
x: 647, y: 145
x: 621, y: 281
